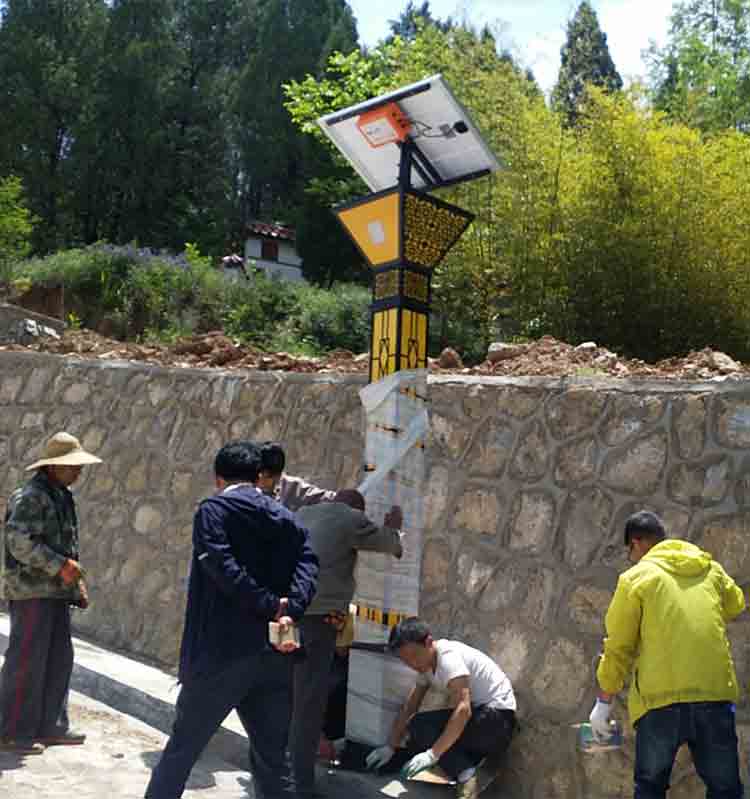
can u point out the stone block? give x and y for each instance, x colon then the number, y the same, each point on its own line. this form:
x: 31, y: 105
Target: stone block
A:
x: 519, y: 403
x: 742, y: 486
x: 727, y: 538
x: 35, y: 390
x: 631, y: 415
x: 148, y: 519
x: 606, y: 774
x: 451, y: 435
x: 476, y: 402
x: 689, y: 420
x: 532, y: 521
x: 540, y: 596
x: 473, y: 573
x: 478, y: 510
x: 136, y: 480
x: 502, y: 590
x: 574, y: 411
x: 556, y: 784
x: 586, y: 518
x: 510, y: 647
x: 195, y: 444
x: 491, y: 450
x: 732, y: 421
x: 637, y: 467
x: 76, y: 394
x: 563, y: 679
x: 587, y: 606
x: 10, y: 385
x: 576, y: 462
x: 531, y: 458
x: 701, y: 484
x: 436, y: 562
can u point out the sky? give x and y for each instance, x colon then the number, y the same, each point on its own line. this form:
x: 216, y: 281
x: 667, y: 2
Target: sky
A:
x: 534, y: 30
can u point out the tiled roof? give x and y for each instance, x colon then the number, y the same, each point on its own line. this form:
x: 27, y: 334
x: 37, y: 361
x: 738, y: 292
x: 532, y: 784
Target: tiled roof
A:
x: 271, y: 230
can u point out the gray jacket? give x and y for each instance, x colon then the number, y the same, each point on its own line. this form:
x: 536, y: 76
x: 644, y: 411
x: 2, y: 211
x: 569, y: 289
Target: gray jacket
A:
x: 337, y: 533
x: 295, y: 493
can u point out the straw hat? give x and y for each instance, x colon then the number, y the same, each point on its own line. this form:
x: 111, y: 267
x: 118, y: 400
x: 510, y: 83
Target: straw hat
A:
x: 64, y: 450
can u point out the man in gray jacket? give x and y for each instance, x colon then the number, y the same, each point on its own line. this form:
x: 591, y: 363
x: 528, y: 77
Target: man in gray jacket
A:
x: 338, y: 531
x: 41, y: 577
x: 292, y: 492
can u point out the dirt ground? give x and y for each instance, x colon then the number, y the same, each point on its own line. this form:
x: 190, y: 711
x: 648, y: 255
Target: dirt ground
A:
x: 545, y: 357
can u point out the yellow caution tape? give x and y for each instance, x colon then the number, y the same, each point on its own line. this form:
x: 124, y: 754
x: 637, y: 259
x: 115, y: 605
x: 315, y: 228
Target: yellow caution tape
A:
x: 388, y: 618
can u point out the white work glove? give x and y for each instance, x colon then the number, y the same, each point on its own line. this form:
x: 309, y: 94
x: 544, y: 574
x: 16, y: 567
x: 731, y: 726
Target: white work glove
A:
x: 420, y: 762
x: 379, y: 757
x: 599, y: 719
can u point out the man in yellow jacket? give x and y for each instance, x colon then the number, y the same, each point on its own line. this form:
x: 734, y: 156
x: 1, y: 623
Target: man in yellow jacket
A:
x: 666, y: 630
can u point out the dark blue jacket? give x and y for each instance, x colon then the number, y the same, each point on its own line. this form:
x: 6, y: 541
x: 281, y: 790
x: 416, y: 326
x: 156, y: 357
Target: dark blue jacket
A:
x: 248, y: 552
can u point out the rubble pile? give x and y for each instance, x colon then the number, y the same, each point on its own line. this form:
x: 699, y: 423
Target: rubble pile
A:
x: 545, y: 357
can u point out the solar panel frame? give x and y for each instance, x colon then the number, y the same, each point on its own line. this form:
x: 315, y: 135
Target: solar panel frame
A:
x: 433, y: 109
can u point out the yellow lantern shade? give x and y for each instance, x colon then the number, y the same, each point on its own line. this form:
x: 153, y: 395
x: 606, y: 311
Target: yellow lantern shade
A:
x: 403, y: 226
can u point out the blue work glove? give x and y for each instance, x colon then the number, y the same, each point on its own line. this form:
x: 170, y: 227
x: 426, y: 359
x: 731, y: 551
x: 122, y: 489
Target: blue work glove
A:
x: 420, y: 762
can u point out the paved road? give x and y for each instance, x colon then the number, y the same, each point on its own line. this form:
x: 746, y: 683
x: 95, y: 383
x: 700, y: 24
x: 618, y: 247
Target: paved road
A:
x: 119, y: 752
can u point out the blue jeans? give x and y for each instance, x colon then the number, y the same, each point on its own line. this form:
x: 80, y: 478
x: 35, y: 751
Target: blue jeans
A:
x: 708, y: 728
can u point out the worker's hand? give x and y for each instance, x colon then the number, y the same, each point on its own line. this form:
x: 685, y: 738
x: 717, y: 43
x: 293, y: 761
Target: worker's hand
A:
x: 379, y: 757
x: 283, y: 608
x: 336, y: 618
x: 420, y: 762
x: 285, y: 624
x: 394, y: 518
x: 599, y: 718
x: 70, y: 572
x: 83, y: 601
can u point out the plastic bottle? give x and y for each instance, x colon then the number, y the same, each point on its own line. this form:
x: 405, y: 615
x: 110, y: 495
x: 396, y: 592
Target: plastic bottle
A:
x: 588, y: 742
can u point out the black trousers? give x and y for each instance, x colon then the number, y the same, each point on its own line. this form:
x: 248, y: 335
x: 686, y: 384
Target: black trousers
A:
x: 310, y: 698
x: 259, y: 688
x: 488, y: 732
x: 36, y: 673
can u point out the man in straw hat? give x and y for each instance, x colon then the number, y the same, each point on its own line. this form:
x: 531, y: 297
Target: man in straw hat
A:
x: 41, y: 577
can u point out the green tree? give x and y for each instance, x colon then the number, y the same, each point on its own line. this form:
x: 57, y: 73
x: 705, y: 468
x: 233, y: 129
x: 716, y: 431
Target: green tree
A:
x: 702, y: 75
x: 16, y: 223
x: 136, y: 122
x: 50, y: 52
x: 585, y: 59
x: 413, y: 18
x: 274, y: 160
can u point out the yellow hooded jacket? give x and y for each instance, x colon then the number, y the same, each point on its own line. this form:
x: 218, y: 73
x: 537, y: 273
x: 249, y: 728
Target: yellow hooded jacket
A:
x: 666, y: 627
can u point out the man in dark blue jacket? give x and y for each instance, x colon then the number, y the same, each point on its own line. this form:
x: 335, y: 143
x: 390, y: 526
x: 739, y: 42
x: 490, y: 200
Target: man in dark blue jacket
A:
x: 252, y: 563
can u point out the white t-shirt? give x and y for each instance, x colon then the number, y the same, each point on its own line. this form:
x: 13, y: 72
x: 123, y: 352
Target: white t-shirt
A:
x: 488, y: 684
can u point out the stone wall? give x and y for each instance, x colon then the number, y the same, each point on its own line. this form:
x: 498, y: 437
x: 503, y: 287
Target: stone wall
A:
x: 531, y: 480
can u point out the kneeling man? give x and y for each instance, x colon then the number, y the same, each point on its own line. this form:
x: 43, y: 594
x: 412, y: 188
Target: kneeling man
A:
x: 480, y: 723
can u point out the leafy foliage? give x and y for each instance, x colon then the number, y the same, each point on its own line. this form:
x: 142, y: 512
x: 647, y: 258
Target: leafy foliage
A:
x: 702, y: 76
x: 135, y: 292
x: 585, y: 60
x: 16, y: 223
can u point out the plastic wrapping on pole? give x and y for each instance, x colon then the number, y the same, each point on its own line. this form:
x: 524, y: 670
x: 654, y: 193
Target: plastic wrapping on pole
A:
x: 388, y: 589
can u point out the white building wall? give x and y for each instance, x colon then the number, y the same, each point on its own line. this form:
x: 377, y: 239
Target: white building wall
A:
x: 288, y: 267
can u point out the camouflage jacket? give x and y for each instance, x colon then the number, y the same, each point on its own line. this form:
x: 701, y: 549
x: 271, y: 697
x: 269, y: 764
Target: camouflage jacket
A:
x: 41, y: 531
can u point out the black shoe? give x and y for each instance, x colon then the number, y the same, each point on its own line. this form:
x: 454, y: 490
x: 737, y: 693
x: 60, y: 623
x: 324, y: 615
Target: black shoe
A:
x: 67, y: 738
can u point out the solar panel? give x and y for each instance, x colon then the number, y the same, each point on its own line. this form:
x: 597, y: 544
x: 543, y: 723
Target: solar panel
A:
x: 424, y: 121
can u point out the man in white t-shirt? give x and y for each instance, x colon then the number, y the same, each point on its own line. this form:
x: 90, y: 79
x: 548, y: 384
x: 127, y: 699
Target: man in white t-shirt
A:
x: 482, y: 718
